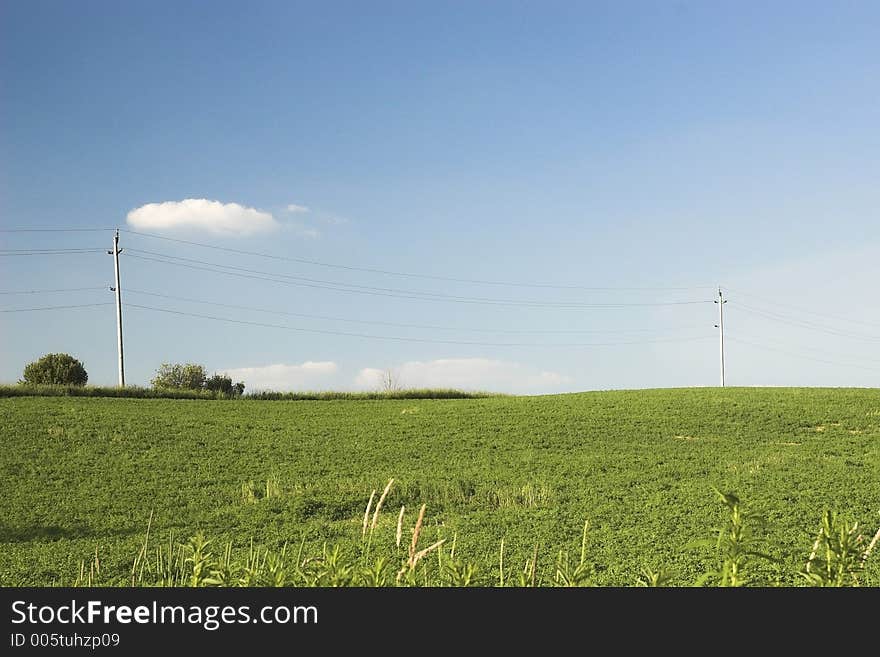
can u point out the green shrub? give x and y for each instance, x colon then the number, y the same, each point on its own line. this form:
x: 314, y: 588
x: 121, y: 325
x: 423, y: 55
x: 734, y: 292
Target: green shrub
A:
x: 189, y: 376
x: 55, y: 369
x: 224, y: 385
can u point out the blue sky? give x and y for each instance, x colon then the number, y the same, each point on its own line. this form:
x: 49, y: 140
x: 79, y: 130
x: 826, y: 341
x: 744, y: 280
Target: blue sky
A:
x: 598, y: 145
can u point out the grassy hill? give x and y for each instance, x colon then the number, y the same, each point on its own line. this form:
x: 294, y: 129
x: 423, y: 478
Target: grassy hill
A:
x: 84, y: 475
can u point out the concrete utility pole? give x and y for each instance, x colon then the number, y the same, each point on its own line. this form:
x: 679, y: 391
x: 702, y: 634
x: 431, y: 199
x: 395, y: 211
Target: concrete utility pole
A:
x: 720, y: 325
x: 118, y: 289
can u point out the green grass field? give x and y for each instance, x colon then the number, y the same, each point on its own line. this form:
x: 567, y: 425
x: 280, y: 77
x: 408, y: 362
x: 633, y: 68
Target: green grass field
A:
x: 82, y: 476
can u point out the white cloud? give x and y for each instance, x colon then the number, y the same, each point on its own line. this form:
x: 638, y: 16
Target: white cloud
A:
x: 332, y: 220
x: 222, y: 219
x: 306, y: 231
x: 295, y: 209
x: 467, y: 374
x: 307, y: 376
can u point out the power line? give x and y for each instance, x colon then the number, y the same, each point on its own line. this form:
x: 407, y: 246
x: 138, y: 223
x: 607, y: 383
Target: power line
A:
x: 394, y: 324
x: 66, y: 289
x: 301, y: 281
x: 813, y: 349
x: 50, y: 250
x: 393, y: 290
x: 805, y: 324
x: 81, y: 305
x: 805, y: 310
x: 41, y: 252
x: 802, y: 356
x: 51, y: 230
x: 387, y: 272
x: 407, y: 339
x: 386, y: 292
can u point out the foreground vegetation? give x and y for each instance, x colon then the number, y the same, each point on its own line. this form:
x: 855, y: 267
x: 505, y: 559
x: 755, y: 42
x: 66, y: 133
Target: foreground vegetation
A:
x: 281, y: 489
x: 138, y: 392
x: 839, y: 558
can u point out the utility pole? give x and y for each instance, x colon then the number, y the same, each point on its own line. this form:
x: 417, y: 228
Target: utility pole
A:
x: 115, y: 253
x: 720, y: 326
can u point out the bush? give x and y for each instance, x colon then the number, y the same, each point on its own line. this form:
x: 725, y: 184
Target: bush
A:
x: 223, y: 384
x: 180, y: 377
x: 55, y: 369
x: 191, y: 376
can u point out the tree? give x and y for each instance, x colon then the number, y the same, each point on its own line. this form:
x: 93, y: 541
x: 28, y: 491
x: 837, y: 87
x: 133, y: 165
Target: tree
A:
x: 389, y: 381
x: 183, y: 377
x: 56, y: 369
x: 222, y: 383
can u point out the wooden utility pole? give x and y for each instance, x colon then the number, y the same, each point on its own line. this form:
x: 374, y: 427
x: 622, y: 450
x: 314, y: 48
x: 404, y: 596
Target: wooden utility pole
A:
x: 721, y: 301
x: 118, y: 289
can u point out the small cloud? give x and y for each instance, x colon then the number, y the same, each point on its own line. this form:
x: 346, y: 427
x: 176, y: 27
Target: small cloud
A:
x: 369, y: 378
x: 297, y: 209
x: 281, y: 377
x: 302, y: 230
x: 214, y: 217
x: 330, y: 220
x: 467, y: 374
